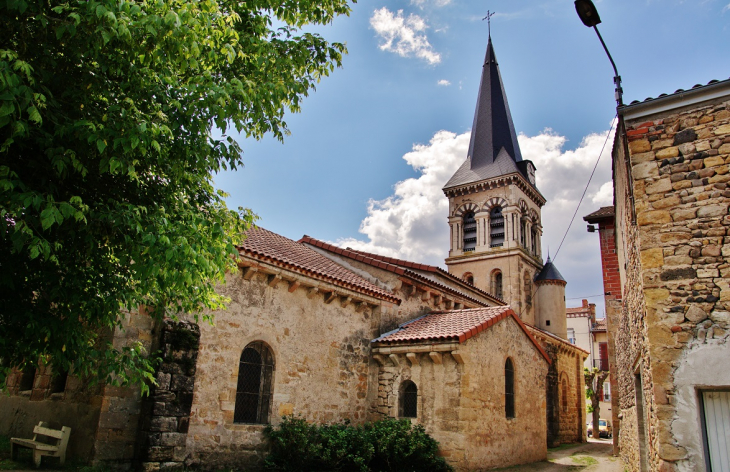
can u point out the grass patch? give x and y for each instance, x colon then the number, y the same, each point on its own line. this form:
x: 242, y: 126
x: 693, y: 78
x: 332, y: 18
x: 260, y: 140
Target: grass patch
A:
x: 561, y: 447
x: 583, y: 460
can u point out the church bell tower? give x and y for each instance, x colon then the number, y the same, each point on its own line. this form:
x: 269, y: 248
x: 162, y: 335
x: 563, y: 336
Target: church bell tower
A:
x: 494, y: 204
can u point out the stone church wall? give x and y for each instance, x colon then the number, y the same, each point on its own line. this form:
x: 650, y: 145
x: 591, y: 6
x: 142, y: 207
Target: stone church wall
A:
x: 674, y: 261
x: 321, y: 354
x: 462, y: 404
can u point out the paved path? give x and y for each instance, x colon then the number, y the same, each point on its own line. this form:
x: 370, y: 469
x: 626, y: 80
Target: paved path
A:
x: 593, y: 456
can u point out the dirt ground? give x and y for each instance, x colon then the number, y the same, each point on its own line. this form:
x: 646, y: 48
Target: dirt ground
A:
x: 593, y: 456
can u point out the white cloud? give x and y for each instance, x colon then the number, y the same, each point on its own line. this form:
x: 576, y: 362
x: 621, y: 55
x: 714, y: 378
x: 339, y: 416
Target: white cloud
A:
x: 412, y: 223
x: 443, y: 83
x: 404, y: 36
x: 727, y: 7
x: 437, y: 3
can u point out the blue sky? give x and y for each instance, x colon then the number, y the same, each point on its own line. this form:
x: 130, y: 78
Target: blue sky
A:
x: 376, y: 141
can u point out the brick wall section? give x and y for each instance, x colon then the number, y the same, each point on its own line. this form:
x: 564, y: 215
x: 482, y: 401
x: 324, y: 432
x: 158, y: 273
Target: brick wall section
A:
x: 609, y: 260
x: 676, y: 298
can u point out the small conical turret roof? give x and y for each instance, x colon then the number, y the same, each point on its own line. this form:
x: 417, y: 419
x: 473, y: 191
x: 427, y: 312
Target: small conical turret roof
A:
x: 493, y: 148
x: 549, y: 272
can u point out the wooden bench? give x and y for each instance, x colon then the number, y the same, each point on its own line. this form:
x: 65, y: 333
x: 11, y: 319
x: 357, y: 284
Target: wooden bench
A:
x: 54, y: 443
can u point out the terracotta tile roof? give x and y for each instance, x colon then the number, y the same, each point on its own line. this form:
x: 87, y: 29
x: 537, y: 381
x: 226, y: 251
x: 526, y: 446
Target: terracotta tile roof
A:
x: 554, y: 338
x: 453, y: 326
x: 264, y: 245
x: 600, y: 325
x: 678, y: 91
x: 604, y: 212
x: 402, y: 267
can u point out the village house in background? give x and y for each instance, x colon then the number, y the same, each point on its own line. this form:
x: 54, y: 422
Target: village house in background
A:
x: 478, y: 355
x: 671, y: 161
x: 589, y: 333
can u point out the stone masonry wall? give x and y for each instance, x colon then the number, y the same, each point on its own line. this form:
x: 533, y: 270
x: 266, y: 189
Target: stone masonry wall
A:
x: 166, y: 412
x: 462, y: 404
x: 677, y: 291
x: 322, y: 365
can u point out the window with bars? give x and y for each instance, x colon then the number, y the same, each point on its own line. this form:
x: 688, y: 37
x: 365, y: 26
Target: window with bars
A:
x: 408, y: 400
x: 496, y: 227
x: 509, y: 389
x: 255, y: 379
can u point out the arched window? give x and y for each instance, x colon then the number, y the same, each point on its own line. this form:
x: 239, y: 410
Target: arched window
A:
x: 564, y: 399
x: 470, y: 231
x: 509, y: 389
x: 496, y: 227
x: 534, y: 241
x: 255, y: 379
x: 469, y: 278
x: 497, y: 283
x: 408, y: 400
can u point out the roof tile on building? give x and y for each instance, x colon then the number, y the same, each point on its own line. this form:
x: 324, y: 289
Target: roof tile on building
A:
x: 265, y: 245
x: 400, y: 267
x: 603, y: 212
x: 678, y: 91
x: 453, y: 326
x: 600, y: 325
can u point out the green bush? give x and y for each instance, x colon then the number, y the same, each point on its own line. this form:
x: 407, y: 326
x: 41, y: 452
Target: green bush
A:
x: 386, y: 445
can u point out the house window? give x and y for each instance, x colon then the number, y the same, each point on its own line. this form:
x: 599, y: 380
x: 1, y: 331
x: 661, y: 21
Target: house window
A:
x: 509, y: 389
x: 497, y: 284
x: 408, y: 400
x: 607, y: 392
x: 496, y: 227
x: 571, y: 335
x: 255, y: 379
x: 27, y: 376
x: 58, y: 381
x: 470, y: 231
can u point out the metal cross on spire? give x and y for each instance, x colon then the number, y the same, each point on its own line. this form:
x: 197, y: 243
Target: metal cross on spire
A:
x: 489, y: 16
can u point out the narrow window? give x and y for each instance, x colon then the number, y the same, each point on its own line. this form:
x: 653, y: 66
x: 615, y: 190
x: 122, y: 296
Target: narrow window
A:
x: 571, y: 335
x: 509, y: 389
x: 408, y: 400
x: 254, y: 392
x: 533, y: 240
x: 469, y: 278
x: 496, y: 227
x: 565, y: 395
x: 470, y: 231
x: 497, y: 284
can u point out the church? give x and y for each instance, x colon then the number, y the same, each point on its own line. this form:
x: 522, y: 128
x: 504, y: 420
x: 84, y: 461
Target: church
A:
x: 477, y: 354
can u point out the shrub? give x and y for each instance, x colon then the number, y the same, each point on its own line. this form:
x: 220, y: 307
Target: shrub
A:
x: 386, y: 445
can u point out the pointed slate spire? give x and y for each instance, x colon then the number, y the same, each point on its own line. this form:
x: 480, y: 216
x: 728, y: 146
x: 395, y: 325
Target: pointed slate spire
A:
x: 493, y: 128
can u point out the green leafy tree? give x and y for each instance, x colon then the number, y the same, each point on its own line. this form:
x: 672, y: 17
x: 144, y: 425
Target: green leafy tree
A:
x: 114, y: 117
x: 594, y: 379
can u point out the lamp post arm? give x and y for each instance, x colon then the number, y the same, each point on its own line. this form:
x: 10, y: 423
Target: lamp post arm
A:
x: 616, y: 77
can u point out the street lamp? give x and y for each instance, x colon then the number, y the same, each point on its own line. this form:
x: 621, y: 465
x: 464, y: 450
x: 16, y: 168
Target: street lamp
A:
x: 589, y: 16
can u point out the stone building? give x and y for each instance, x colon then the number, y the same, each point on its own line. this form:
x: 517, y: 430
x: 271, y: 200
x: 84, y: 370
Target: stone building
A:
x: 477, y: 354
x: 671, y: 158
